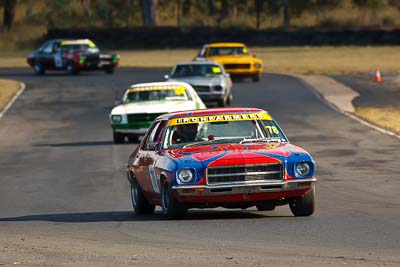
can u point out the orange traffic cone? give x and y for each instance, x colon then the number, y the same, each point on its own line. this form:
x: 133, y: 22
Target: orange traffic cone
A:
x: 378, y: 77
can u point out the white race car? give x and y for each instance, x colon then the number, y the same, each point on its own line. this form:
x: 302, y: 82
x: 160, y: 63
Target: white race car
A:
x: 144, y: 102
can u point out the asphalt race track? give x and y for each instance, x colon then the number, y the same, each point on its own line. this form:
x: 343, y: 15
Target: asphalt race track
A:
x: 63, y: 184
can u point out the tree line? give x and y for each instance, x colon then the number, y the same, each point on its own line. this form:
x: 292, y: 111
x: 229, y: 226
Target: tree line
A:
x: 117, y: 13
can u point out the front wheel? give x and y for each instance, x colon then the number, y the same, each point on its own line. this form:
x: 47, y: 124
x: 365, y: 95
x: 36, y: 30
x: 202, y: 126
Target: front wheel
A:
x: 109, y: 70
x: 229, y: 100
x: 118, y: 138
x: 139, y: 202
x: 171, y: 207
x: 256, y: 78
x: 304, y: 205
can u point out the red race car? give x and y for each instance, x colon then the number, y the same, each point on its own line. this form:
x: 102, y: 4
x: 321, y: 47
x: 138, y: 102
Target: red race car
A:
x: 232, y: 158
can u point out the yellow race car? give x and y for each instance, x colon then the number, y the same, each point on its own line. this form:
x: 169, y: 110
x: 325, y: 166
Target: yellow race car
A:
x: 235, y: 57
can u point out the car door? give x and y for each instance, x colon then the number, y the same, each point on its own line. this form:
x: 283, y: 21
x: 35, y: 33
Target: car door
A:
x: 148, y: 158
x: 47, y: 56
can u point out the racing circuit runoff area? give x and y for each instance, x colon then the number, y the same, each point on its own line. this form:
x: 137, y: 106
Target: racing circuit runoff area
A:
x: 65, y: 200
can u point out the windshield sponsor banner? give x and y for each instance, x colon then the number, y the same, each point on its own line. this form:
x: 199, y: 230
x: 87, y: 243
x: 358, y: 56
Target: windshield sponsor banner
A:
x: 79, y: 42
x: 178, y: 89
x: 220, y: 118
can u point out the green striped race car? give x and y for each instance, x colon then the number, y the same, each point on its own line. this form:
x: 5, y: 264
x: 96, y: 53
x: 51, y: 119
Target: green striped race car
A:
x: 144, y: 102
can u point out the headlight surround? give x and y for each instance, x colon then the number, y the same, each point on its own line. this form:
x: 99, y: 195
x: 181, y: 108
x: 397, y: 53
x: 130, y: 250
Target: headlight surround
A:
x: 257, y: 65
x: 116, y: 118
x: 185, y: 175
x: 303, y: 168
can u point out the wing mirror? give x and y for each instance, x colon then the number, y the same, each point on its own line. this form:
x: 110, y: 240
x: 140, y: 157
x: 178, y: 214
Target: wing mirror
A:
x: 151, y: 146
x: 117, y: 102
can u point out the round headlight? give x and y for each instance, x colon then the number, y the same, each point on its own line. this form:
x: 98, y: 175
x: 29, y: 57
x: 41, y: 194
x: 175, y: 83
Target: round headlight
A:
x: 185, y: 175
x: 257, y: 65
x: 303, y: 168
x: 218, y: 88
x: 116, y: 118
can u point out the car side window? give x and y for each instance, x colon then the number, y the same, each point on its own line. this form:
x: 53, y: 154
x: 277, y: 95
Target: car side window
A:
x: 154, y: 135
x: 47, y: 49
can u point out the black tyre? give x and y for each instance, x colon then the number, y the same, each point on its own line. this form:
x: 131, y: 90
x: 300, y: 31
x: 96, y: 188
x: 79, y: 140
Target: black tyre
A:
x: 171, y: 207
x: 229, y: 100
x: 304, y: 205
x: 222, y: 102
x: 255, y: 78
x: 265, y: 207
x: 72, y: 69
x: 109, y: 70
x: 133, y: 138
x: 118, y: 138
x: 39, y: 69
x: 139, y: 202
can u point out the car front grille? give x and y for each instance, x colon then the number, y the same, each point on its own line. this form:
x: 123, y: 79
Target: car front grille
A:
x: 237, y: 66
x: 142, y: 117
x: 201, y: 88
x: 244, y: 174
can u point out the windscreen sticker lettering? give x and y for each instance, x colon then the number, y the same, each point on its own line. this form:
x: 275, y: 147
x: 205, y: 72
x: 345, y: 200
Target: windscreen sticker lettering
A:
x: 178, y: 89
x: 220, y: 118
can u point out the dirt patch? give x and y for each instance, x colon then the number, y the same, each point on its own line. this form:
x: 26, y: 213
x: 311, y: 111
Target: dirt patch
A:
x: 8, y: 89
x: 388, y: 118
x: 377, y: 103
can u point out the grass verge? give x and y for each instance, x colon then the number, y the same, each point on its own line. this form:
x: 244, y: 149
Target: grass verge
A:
x: 388, y: 118
x: 8, y: 88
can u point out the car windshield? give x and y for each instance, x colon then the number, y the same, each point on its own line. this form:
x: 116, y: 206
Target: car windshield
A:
x: 156, y: 95
x: 228, y: 51
x: 241, y: 131
x: 188, y: 70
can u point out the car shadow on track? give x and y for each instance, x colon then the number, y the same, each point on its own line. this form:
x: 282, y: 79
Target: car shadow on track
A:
x: 127, y: 216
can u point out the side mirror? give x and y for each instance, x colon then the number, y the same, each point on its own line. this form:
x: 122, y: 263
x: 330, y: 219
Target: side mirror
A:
x: 151, y: 146
x: 117, y: 103
x: 166, y: 77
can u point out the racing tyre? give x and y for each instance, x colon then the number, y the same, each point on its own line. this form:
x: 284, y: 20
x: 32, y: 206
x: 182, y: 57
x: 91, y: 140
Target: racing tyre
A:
x: 304, y: 205
x: 38, y: 68
x: 171, y: 207
x: 72, y: 69
x: 109, y: 70
x: 133, y: 138
x: 229, y: 100
x: 118, y: 138
x: 139, y: 202
x: 256, y: 78
x: 222, y: 102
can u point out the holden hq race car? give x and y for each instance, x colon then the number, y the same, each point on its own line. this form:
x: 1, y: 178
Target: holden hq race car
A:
x: 72, y: 56
x: 144, y: 102
x: 235, y: 57
x: 231, y: 157
x: 208, y: 78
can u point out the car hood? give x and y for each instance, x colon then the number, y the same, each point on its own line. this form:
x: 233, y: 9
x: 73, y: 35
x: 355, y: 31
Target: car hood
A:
x: 199, y: 80
x: 153, y: 107
x: 236, y: 154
